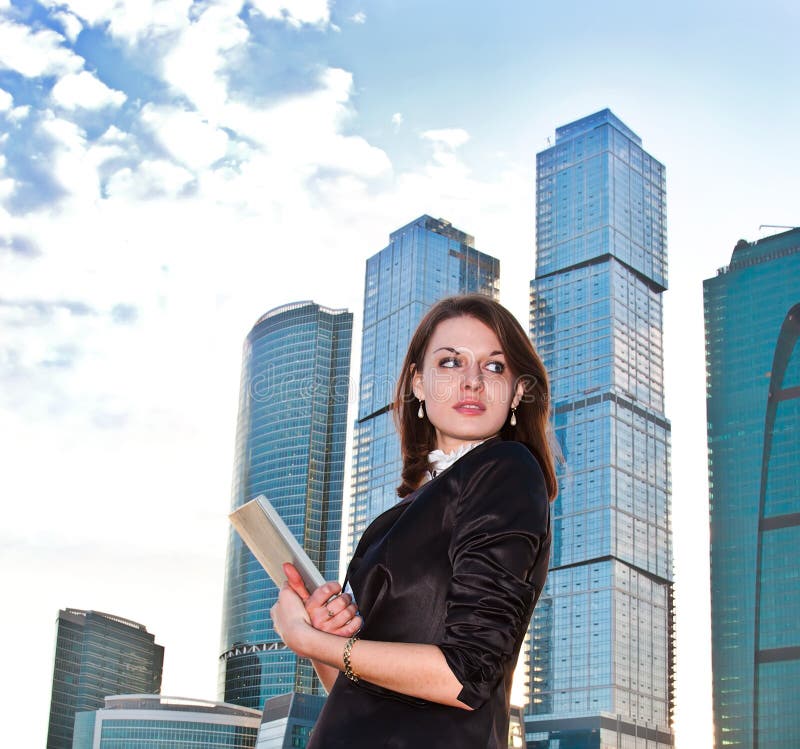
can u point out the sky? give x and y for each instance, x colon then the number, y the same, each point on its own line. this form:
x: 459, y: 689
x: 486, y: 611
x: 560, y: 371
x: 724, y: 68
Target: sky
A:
x: 171, y: 170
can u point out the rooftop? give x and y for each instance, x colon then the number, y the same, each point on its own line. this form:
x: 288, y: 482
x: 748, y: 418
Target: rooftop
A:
x: 603, y: 117
x: 80, y: 615
x: 438, y: 226
x: 291, y: 306
x: 746, y: 254
x: 179, y: 704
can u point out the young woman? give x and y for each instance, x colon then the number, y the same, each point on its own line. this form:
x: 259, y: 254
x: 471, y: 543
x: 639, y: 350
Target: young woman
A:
x: 446, y: 580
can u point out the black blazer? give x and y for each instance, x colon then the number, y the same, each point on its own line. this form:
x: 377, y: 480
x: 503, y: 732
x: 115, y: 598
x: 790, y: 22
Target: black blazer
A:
x: 460, y: 563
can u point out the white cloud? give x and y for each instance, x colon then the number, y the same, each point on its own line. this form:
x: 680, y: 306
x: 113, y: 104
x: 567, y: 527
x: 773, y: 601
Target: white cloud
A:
x: 359, y: 17
x: 397, y: 120
x: 17, y: 114
x: 69, y: 162
x: 70, y: 23
x: 7, y: 185
x: 114, y: 136
x: 303, y: 133
x: 6, y: 100
x: 151, y: 179
x: 445, y: 143
x: 66, y: 134
x: 188, y: 137
x: 448, y: 137
x: 193, y: 66
x: 102, y: 151
x: 85, y: 91
x: 35, y: 53
x: 130, y: 20
x: 295, y: 12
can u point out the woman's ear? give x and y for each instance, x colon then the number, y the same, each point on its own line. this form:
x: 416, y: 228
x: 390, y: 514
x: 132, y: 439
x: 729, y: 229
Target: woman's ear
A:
x: 416, y: 383
x: 520, y: 391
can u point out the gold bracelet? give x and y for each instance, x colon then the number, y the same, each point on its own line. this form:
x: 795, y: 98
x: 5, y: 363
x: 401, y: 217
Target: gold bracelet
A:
x: 348, y: 668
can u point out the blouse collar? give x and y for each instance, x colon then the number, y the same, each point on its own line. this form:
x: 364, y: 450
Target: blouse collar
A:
x: 440, y: 460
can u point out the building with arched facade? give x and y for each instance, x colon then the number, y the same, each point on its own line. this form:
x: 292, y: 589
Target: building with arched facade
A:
x: 290, y: 446
x: 752, y: 322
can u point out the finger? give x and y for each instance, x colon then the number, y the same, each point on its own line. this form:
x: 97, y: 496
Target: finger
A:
x: 288, y: 596
x: 335, y: 606
x: 338, y: 604
x: 350, y: 628
x: 335, y: 623
x: 295, y: 581
x: 321, y: 616
x: 345, y: 616
x: 322, y: 594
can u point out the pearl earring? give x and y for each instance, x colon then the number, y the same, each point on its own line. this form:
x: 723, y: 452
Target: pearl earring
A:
x: 421, y: 412
x: 513, y: 419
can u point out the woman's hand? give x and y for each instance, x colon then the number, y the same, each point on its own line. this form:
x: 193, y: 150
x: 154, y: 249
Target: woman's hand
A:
x: 304, y: 624
x: 329, y: 610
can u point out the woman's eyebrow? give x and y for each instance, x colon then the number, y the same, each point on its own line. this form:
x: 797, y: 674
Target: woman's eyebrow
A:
x: 456, y: 351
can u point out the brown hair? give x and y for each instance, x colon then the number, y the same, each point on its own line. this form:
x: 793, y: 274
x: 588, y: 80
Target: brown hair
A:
x: 418, y: 437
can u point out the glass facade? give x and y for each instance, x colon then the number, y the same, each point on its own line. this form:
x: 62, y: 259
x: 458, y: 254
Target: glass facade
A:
x: 290, y: 445
x: 144, y: 721
x: 97, y: 655
x: 601, y: 654
x: 752, y: 321
x: 424, y: 261
x: 288, y: 721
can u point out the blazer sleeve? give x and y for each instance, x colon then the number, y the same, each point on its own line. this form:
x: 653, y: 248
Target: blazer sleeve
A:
x: 501, y: 522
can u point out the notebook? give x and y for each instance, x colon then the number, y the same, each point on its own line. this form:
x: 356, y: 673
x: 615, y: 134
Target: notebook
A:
x: 272, y: 543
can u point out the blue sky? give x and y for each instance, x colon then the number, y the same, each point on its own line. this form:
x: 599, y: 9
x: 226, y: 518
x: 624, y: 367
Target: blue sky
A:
x: 170, y: 170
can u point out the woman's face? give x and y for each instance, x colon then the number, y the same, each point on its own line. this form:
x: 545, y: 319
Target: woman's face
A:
x: 465, y: 382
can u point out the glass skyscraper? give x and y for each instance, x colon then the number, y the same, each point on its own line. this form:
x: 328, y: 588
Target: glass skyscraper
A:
x: 98, y: 655
x: 424, y: 261
x: 752, y: 322
x: 601, y: 658
x: 290, y: 446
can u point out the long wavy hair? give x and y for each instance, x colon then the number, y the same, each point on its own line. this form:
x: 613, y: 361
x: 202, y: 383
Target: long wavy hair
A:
x: 418, y: 437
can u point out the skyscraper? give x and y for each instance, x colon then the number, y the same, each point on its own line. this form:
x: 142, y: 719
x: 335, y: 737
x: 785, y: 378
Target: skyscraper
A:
x: 424, y: 261
x: 752, y: 320
x: 290, y: 444
x: 98, y: 655
x: 601, y: 649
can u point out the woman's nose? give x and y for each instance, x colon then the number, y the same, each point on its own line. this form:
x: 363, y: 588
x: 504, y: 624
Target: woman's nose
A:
x: 473, y: 377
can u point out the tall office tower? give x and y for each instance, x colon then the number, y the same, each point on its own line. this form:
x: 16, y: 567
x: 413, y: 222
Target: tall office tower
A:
x: 290, y: 443
x: 424, y: 261
x: 602, y: 634
x: 98, y: 655
x: 752, y: 320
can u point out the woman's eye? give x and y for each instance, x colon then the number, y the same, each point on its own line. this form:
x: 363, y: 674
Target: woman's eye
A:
x: 450, y: 362
x: 496, y: 367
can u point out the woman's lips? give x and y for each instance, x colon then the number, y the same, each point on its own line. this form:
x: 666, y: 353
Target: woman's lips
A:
x: 470, y: 408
